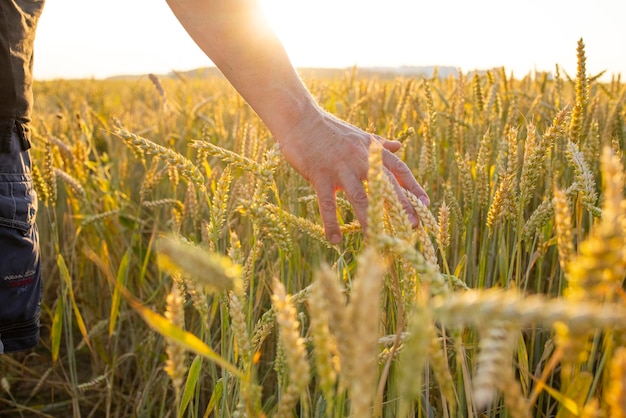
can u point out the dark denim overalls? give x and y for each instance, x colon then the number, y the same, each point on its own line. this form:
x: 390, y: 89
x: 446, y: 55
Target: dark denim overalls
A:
x: 20, y: 267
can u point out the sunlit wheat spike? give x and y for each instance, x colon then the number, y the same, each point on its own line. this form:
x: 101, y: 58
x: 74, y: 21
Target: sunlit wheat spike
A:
x: 64, y: 149
x: 478, y: 93
x: 351, y: 228
x: 467, y: 181
x: 191, y: 209
x: 250, y: 262
x: 335, y: 300
x: 163, y: 202
x: 455, y: 208
x: 215, y: 272
x: 375, y: 207
x: 427, y: 246
x: 482, y: 169
x: 613, y: 188
x: 414, y: 357
x: 591, y: 147
x: 240, y: 329
x: 512, y: 165
x: 559, y: 86
x: 176, y: 221
x: 199, y: 299
x: 598, y: 271
x: 271, y: 160
x: 300, y: 223
x: 494, y: 103
x: 400, y: 111
x: 405, y: 134
x: 152, y: 178
x: 614, y: 124
x: 496, y: 354
x: 219, y: 203
x: 425, y: 215
x: 173, y: 159
x: 74, y: 185
x: 557, y: 128
x: 584, y: 177
x: 428, y: 273
x: 80, y: 155
x: 49, y: 175
x: 267, y: 222
x: 398, y: 218
x: 477, y: 307
x: 616, y: 394
x: 564, y: 228
x: 232, y: 158
x: 427, y: 152
x: 88, y: 220
x: 294, y: 350
x: 93, y: 383
x: 40, y: 185
x: 324, y: 343
x: 262, y: 329
x: 441, y: 369
x: 173, y: 175
x: 534, y: 157
x: 500, y: 206
x: 443, y: 223
x: 157, y: 84
x: 175, y: 365
x: 540, y: 217
x: 363, y: 315
x: 580, y: 106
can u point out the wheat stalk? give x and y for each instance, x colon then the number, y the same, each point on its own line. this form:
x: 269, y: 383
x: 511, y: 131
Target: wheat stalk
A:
x: 363, y: 315
x: 176, y: 355
x: 294, y: 350
x: 173, y: 159
x: 564, y: 228
x: 212, y: 271
x: 325, y: 344
x: 476, y: 307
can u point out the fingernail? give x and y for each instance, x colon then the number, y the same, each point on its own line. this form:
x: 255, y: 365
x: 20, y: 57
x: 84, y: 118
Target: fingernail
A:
x: 425, y: 200
x: 335, y: 239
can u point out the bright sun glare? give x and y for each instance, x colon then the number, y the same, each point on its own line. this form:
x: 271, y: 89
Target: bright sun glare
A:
x: 120, y: 37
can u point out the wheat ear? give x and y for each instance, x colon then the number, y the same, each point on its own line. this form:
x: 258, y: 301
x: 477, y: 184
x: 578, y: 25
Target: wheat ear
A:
x: 294, y: 350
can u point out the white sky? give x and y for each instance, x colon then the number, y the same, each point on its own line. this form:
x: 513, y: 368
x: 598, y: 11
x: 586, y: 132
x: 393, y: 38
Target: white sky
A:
x: 82, y: 38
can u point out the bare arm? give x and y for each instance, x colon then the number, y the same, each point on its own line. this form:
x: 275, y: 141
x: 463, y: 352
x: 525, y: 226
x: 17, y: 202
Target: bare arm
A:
x: 329, y: 153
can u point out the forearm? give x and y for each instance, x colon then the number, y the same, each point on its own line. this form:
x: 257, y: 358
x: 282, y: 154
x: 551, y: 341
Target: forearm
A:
x: 239, y: 41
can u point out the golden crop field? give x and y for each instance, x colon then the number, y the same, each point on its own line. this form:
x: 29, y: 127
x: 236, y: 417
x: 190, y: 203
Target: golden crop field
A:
x: 187, y: 274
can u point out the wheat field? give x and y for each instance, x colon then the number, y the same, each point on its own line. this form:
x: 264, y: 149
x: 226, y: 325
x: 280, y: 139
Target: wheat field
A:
x: 187, y: 274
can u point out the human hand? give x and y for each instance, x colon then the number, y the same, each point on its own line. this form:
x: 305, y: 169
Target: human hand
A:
x: 333, y: 155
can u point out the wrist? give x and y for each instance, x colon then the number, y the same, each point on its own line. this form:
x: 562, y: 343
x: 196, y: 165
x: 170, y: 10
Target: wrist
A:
x: 296, y: 119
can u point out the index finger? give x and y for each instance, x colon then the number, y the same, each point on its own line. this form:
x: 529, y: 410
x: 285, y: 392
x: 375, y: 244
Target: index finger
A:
x: 327, y: 203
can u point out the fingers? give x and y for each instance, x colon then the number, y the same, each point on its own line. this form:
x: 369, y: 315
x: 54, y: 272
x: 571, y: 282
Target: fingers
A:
x: 327, y: 203
x: 355, y: 192
x: 406, y: 204
x: 326, y: 198
x: 393, y: 146
x: 404, y: 177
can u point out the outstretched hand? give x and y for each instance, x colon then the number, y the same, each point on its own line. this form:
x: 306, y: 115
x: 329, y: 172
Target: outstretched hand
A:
x: 329, y: 153
x: 333, y: 155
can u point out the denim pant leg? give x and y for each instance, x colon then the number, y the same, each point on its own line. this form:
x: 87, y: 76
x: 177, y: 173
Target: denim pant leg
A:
x: 20, y: 268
